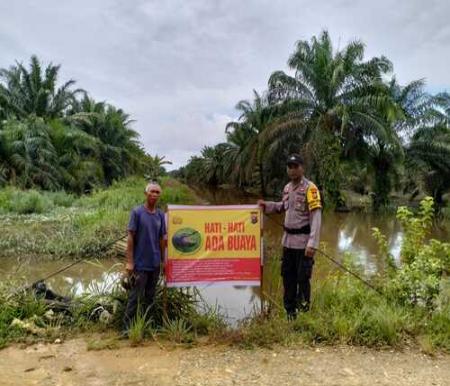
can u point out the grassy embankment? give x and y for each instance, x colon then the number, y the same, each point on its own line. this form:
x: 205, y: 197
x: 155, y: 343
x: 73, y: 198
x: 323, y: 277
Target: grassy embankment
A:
x: 55, y: 225
x: 414, y: 307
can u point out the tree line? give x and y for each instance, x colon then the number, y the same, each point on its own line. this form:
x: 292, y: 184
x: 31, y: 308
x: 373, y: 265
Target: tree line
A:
x: 355, y: 125
x: 56, y: 137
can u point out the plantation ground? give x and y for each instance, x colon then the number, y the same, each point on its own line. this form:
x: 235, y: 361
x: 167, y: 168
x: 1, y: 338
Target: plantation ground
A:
x: 71, y: 363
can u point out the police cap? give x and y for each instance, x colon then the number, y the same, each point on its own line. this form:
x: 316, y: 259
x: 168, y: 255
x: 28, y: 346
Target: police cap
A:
x: 294, y: 159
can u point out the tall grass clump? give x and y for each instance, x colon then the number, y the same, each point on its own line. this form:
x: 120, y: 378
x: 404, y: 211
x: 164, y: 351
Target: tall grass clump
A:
x: 208, y: 321
x: 344, y: 311
x: 26, y: 202
x: 177, y: 315
x: 260, y: 331
x: 21, y: 306
x: 29, y: 202
x: 177, y: 330
x: 5, y: 199
x: 62, y: 199
x: 141, y: 327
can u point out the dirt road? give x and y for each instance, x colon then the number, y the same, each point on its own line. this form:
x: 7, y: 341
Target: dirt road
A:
x: 70, y: 363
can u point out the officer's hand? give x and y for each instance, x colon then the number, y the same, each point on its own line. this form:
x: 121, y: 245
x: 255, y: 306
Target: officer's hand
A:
x: 261, y: 204
x: 309, y: 252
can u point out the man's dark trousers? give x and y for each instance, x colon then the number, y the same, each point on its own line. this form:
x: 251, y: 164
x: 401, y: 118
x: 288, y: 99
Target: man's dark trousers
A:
x: 142, y: 294
x: 296, y: 269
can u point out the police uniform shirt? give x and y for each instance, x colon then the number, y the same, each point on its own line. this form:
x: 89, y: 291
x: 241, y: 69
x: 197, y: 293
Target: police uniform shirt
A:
x: 302, y: 206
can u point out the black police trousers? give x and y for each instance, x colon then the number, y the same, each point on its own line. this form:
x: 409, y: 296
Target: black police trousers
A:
x: 142, y: 295
x: 296, y: 270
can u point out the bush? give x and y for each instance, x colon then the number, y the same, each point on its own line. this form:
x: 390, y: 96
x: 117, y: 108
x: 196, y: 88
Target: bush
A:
x: 13, y: 200
x: 29, y: 202
x: 62, y: 198
x: 418, y: 281
x: 5, y: 199
x: 262, y: 332
x: 438, y: 329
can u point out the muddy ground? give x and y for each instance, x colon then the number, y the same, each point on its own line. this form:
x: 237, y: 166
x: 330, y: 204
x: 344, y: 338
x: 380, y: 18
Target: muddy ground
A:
x: 72, y: 363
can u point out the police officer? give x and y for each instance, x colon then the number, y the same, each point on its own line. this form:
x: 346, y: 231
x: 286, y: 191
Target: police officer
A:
x: 302, y: 205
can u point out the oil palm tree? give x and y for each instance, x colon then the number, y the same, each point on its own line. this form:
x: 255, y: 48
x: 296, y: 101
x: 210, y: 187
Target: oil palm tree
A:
x: 154, y: 166
x: 30, y: 154
x: 245, y: 155
x: 34, y: 91
x: 331, y: 96
x: 425, y: 128
x: 428, y: 158
x: 77, y: 157
x: 120, y: 151
x: 50, y: 138
x: 213, y: 161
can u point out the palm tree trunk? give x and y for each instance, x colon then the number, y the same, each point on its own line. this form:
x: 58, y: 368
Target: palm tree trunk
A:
x: 261, y: 179
x: 382, y: 186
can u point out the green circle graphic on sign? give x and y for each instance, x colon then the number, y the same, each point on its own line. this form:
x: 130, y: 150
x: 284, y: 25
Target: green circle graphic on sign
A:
x: 187, y: 240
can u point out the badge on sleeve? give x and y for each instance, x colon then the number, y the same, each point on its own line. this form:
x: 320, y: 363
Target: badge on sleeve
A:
x: 313, y: 198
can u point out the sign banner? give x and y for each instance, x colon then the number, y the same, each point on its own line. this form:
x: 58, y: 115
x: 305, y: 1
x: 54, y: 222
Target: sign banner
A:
x: 211, y: 244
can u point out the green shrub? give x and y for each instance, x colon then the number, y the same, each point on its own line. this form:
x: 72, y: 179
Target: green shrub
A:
x: 208, y: 321
x: 62, y: 198
x: 177, y: 331
x: 264, y: 332
x: 5, y: 199
x: 418, y: 281
x: 13, y: 200
x: 140, y: 327
x: 437, y: 329
x: 31, y: 201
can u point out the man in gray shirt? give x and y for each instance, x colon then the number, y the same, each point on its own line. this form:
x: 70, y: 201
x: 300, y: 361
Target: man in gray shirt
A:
x: 302, y: 205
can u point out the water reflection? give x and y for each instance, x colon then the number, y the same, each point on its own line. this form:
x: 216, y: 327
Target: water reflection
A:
x: 233, y: 302
x: 102, y: 285
x: 85, y: 277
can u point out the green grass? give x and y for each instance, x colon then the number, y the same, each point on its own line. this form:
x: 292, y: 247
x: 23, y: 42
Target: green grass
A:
x: 56, y: 224
x: 23, y: 202
x: 140, y: 327
x: 103, y: 344
x: 343, y: 311
x: 346, y: 312
x: 177, y: 331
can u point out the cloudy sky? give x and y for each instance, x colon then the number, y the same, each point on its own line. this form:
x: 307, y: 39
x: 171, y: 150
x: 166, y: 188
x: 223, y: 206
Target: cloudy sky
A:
x: 179, y: 67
